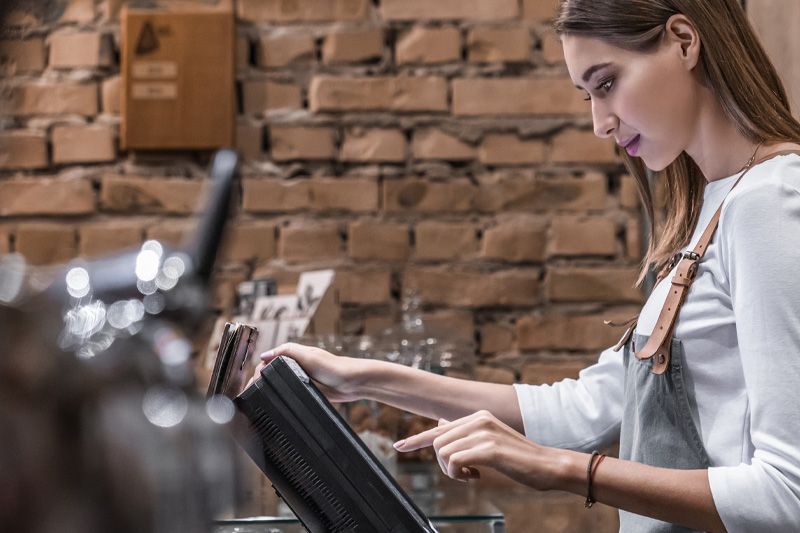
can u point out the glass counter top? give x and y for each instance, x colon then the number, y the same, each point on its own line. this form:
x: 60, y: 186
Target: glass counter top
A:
x: 452, y: 506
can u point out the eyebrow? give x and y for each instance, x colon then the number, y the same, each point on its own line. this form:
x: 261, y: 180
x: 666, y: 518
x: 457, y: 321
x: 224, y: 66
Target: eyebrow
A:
x: 590, y: 72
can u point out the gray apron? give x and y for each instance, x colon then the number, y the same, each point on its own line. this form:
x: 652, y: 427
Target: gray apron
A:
x: 657, y: 425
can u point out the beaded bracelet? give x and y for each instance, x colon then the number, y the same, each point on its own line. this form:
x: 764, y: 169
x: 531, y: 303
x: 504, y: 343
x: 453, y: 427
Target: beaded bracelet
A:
x: 590, y: 470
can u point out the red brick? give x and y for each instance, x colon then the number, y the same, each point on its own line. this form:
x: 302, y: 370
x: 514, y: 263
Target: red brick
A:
x: 513, y: 288
x: 172, y: 232
x: 517, y: 96
x: 105, y: 238
x: 574, y: 146
x: 549, y: 373
x: 51, y: 99
x: 428, y: 45
x: 306, y: 11
x: 249, y: 140
x: 458, y: 323
x: 361, y: 145
x: 432, y: 143
x: 110, y: 9
x: 373, y: 240
x: 583, y: 236
x: 23, y: 149
x: 440, y: 241
x: 494, y: 374
x: 45, y: 244
x: 5, y: 246
x: 260, y: 97
x: 496, y: 337
x: 291, y: 142
x: 402, y: 93
x: 280, y: 49
x: 94, y: 143
x: 499, y: 44
x: 522, y: 193
x: 552, y: 50
x: 149, y: 195
x: 243, y: 45
x: 353, y: 45
x: 305, y: 244
x: 454, y: 196
x: 46, y: 196
x: 629, y: 193
x: 272, y: 195
x: 568, y: 332
x: 248, y: 241
x: 70, y: 49
x: 516, y: 242
x: 344, y: 194
x: 364, y: 287
x: 223, y: 290
x: 19, y: 57
x: 413, y: 10
x: 110, y: 95
x: 23, y: 16
x: 634, y: 240
x: 539, y: 10
x: 509, y: 149
x: 374, y: 324
x: 587, y: 284
x: 78, y: 11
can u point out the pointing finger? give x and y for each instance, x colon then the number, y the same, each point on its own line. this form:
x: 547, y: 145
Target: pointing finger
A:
x: 422, y: 440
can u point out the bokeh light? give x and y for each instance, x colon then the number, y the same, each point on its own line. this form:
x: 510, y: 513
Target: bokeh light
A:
x: 165, y: 406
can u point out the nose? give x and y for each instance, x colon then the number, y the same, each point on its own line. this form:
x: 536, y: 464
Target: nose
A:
x: 605, y: 122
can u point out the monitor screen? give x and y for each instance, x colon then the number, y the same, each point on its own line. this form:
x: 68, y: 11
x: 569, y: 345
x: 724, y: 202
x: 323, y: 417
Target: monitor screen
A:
x: 314, y: 460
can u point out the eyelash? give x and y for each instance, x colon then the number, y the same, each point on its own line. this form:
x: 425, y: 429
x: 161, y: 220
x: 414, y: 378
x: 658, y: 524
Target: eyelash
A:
x: 609, y: 82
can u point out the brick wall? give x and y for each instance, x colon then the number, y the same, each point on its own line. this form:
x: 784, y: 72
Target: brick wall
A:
x: 436, y: 144
x: 774, y: 22
x: 403, y: 143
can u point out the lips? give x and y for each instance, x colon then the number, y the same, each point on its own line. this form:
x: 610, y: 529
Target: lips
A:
x: 631, y: 145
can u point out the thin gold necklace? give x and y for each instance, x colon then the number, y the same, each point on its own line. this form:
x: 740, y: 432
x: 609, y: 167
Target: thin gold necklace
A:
x: 752, y: 158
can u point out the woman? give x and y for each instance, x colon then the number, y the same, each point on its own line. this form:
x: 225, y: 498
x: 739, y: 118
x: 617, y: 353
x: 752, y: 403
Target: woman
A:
x: 708, y: 415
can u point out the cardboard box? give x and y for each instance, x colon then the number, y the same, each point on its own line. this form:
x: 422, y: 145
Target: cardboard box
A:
x: 178, y: 79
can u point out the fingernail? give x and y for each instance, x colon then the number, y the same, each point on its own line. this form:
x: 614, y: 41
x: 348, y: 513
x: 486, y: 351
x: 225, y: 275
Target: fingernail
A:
x: 266, y: 356
x: 399, y: 444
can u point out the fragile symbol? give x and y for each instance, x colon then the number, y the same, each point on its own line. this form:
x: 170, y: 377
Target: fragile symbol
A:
x: 148, y: 42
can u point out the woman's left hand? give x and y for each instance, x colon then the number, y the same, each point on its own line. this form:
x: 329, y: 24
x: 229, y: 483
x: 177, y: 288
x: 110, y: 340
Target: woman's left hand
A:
x: 481, y: 440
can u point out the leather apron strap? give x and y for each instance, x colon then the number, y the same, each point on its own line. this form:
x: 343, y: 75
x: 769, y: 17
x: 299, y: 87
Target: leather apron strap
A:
x: 658, y: 344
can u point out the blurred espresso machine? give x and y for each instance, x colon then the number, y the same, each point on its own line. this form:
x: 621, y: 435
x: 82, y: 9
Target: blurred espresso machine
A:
x: 102, y: 427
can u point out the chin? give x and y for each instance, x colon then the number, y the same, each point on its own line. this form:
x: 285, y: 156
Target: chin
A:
x: 656, y: 167
x: 657, y: 164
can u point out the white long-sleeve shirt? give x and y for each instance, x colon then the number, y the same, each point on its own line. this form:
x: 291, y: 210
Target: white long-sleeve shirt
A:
x: 740, y: 328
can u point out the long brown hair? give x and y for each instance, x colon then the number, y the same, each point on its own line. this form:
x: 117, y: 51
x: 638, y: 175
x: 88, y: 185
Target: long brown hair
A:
x: 735, y: 66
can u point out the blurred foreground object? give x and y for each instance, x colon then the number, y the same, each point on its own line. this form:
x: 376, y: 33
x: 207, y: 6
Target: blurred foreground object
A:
x: 102, y: 429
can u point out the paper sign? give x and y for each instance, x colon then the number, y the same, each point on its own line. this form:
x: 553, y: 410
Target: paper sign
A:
x: 154, y: 91
x: 311, y: 288
x: 155, y: 70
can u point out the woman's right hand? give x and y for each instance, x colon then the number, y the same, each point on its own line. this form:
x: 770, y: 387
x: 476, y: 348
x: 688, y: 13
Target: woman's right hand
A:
x: 336, y: 376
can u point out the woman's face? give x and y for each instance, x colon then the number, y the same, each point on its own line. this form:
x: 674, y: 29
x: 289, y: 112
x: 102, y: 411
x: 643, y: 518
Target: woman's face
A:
x: 647, y: 102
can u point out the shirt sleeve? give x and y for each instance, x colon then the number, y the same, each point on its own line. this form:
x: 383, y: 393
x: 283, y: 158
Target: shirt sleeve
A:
x: 580, y: 414
x: 760, y: 232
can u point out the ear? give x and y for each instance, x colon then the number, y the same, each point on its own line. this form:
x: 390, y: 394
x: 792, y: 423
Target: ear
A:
x: 680, y: 31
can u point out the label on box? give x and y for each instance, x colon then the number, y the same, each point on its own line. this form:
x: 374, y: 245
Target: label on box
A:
x: 155, y: 70
x: 154, y: 91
